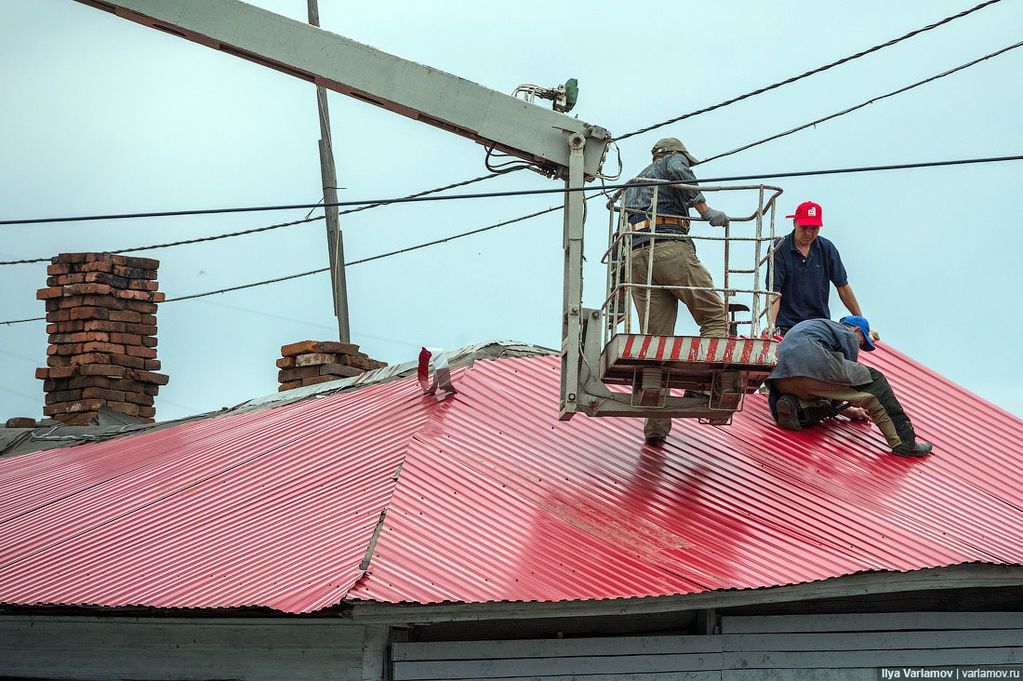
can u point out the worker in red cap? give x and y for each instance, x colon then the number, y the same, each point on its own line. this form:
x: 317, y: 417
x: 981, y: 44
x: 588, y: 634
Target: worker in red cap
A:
x: 804, y: 267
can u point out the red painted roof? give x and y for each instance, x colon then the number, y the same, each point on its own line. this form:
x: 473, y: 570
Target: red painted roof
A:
x: 498, y: 500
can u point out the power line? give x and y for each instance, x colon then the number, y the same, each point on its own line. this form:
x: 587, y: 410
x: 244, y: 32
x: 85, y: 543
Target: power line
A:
x: 807, y: 74
x: 184, y: 241
x: 446, y: 187
x: 279, y: 225
x: 863, y: 104
x: 506, y: 194
x: 552, y: 209
x: 352, y: 263
x: 375, y: 204
x: 429, y: 194
x: 372, y: 203
x: 767, y: 176
x: 364, y: 205
x: 327, y: 269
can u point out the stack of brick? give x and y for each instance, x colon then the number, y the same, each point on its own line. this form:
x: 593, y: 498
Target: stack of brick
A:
x: 311, y: 362
x: 101, y: 318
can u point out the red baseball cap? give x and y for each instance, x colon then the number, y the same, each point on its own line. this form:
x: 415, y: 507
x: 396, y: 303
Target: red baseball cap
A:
x: 808, y: 213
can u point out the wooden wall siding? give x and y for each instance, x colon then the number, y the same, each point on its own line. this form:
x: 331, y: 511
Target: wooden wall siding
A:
x: 188, y: 649
x: 838, y: 647
x: 891, y: 621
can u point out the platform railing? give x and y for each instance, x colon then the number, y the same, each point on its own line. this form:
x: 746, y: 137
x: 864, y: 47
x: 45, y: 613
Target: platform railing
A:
x: 755, y: 232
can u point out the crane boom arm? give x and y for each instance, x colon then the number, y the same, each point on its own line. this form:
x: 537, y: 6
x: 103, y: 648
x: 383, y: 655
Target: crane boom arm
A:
x: 486, y: 116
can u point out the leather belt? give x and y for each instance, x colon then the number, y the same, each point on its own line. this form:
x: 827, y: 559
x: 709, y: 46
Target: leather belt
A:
x: 644, y: 225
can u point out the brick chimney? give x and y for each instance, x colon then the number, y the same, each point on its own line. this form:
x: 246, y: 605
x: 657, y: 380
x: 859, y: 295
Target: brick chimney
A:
x: 101, y: 318
x: 310, y: 362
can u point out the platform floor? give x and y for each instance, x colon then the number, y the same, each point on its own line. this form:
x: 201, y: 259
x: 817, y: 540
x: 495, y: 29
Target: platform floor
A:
x: 688, y: 361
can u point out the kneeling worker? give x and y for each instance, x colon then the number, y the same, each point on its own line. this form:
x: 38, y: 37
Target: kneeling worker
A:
x: 817, y: 359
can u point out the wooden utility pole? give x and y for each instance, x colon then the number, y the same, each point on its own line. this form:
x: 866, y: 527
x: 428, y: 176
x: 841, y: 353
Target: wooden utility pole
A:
x: 328, y: 174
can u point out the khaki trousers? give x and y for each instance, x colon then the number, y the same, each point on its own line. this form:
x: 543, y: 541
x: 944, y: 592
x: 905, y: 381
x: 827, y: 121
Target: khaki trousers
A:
x: 807, y: 388
x: 674, y: 264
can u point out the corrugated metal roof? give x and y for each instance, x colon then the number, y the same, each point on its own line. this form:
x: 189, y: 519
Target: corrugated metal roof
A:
x: 272, y: 508
x: 498, y: 500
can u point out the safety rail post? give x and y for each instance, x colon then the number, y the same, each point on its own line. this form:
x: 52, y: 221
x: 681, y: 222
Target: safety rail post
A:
x: 613, y: 282
x: 728, y: 268
x: 625, y: 243
x: 758, y: 234
x: 770, y: 323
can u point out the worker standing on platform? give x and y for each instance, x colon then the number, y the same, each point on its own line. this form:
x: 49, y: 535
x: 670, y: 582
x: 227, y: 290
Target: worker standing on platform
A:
x: 805, y: 265
x: 674, y: 256
x: 817, y: 359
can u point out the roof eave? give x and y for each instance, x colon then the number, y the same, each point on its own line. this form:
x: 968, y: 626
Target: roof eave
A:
x: 972, y: 575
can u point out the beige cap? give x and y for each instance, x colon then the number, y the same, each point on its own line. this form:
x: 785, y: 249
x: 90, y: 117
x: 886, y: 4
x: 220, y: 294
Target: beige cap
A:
x: 670, y: 144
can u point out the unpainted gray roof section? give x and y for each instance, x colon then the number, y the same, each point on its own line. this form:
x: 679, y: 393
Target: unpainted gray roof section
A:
x: 15, y: 441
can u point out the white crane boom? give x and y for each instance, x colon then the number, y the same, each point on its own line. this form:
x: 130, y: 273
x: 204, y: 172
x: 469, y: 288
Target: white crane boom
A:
x: 556, y: 144
x: 491, y: 118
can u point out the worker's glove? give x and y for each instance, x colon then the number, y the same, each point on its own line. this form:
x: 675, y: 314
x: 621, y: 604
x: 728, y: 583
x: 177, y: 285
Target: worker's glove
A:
x: 715, y: 217
x: 874, y: 335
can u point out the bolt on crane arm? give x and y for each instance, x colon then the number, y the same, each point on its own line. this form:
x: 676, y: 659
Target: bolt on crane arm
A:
x: 493, y: 119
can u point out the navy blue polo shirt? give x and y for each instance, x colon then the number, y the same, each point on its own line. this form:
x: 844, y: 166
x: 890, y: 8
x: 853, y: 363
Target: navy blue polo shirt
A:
x: 805, y: 282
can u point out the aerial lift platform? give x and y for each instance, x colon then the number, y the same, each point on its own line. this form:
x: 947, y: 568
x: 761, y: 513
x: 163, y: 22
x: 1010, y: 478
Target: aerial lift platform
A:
x: 713, y: 374
x: 600, y: 348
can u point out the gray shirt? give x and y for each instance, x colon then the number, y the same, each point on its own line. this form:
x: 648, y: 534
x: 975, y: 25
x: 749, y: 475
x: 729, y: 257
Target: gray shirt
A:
x: 670, y: 200
x: 820, y: 349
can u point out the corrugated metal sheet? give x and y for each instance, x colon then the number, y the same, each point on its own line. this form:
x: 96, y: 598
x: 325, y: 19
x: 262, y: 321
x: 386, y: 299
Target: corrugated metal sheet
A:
x: 272, y: 508
x: 498, y: 500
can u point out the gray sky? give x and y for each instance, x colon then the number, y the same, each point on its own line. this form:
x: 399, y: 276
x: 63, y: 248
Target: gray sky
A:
x: 100, y: 115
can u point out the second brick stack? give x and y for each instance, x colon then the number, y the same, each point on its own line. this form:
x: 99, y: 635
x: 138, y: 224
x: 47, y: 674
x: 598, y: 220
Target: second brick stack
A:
x: 311, y: 362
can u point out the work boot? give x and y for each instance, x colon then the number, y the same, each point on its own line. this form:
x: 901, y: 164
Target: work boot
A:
x: 912, y: 448
x: 654, y: 440
x: 787, y: 412
x: 696, y: 394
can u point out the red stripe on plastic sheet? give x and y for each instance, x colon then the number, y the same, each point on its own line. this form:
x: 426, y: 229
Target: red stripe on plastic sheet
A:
x: 712, y: 349
x: 627, y: 351
x: 729, y: 349
x: 747, y: 351
x: 676, y: 347
x: 645, y: 346
x: 660, y: 347
x: 694, y: 349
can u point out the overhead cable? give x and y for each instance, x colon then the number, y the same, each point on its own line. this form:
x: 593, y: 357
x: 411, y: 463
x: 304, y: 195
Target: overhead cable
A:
x: 364, y: 205
x: 255, y: 230
x: 368, y: 205
x: 807, y: 74
x: 863, y: 104
x: 327, y: 269
x: 767, y: 176
x: 183, y: 241
x: 517, y: 192
x: 446, y: 187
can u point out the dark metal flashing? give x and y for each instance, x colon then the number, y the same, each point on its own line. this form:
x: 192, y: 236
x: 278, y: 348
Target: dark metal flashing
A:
x: 850, y: 586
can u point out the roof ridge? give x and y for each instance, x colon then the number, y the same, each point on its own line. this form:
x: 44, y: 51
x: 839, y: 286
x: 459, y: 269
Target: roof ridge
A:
x: 441, y: 406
